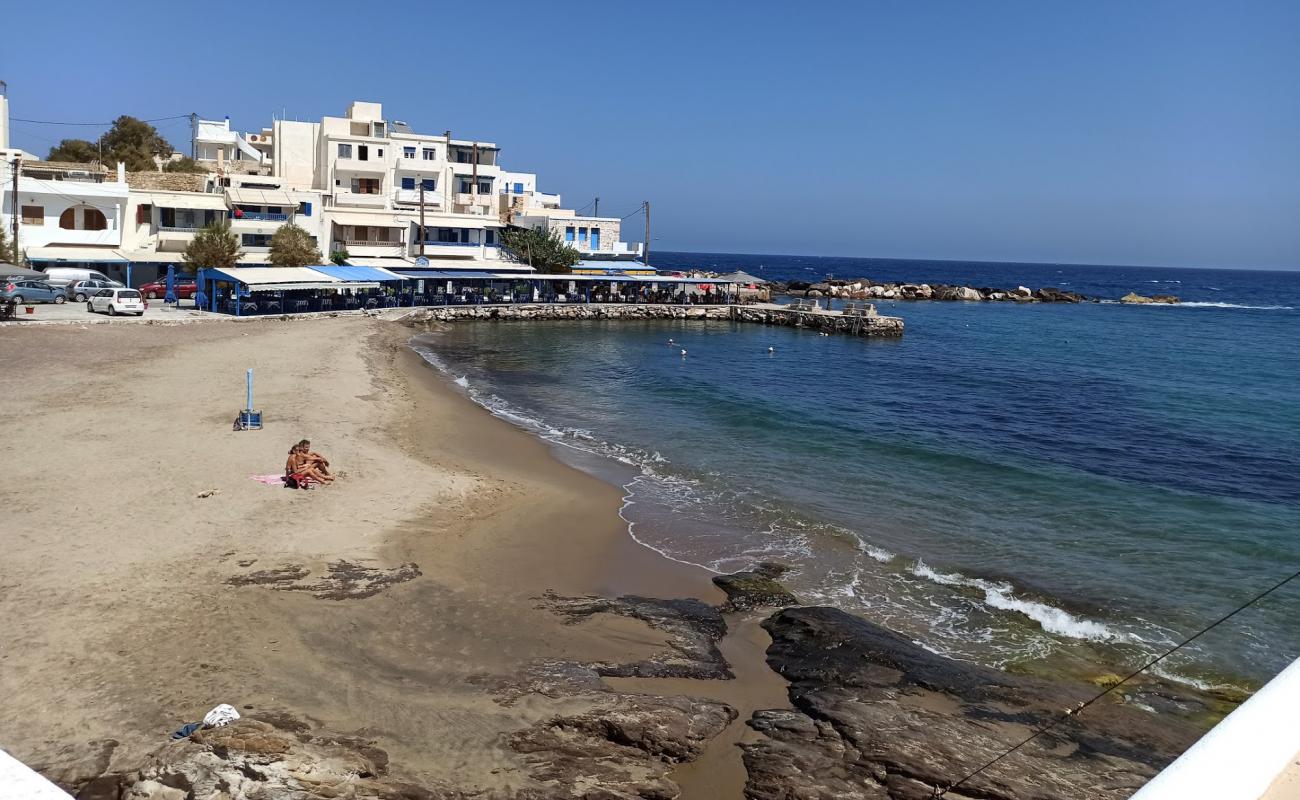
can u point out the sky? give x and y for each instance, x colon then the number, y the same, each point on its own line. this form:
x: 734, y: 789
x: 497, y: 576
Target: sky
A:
x: 1151, y: 133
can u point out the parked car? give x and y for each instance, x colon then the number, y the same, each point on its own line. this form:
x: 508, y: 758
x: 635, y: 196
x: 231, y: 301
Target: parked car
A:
x: 185, y: 288
x: 117, y: 301
x: 31, y: 291
x: 66, y: 276
x: 82, y: 291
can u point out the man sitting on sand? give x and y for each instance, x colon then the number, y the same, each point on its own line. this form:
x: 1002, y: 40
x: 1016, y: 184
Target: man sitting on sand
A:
x: 316, y: 459
x: 302, y: 469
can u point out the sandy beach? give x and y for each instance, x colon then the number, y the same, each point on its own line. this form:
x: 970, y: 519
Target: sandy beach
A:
x: 147, y: 578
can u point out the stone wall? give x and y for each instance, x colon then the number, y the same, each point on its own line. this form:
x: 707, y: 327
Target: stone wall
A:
x: 829, y: 323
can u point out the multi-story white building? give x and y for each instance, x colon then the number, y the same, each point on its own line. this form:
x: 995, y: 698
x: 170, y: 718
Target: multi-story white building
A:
x: 223, y: 150
x: 68, y: 213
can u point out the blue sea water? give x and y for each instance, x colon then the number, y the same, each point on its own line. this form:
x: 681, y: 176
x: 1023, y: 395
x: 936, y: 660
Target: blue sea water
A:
x: 1062, y: 486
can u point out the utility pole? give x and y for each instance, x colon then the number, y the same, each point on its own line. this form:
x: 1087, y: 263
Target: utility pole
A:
x: 17, y: 163
x: 422, y: 236
x: 596, y: 212
x: 645, y: 254
x: 194, y: 132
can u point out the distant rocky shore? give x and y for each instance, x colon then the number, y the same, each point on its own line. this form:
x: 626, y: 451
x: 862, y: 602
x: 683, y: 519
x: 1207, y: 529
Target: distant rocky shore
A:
x: 865, y: 289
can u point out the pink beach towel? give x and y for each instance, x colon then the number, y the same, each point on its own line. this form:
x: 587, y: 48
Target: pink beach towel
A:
x: 269, y: 480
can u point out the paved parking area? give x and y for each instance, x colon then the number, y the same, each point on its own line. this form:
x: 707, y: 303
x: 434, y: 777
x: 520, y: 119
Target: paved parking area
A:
x: 72, y: 311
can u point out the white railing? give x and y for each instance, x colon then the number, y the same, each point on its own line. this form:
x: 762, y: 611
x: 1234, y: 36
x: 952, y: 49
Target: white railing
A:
x: 432, y: 197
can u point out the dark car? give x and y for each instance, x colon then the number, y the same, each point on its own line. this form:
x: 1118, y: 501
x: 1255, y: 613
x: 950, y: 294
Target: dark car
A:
x: 29, y: 291
x: 185, y: 288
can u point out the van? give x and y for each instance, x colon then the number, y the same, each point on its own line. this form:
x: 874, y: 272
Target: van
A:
x: 66, y: 276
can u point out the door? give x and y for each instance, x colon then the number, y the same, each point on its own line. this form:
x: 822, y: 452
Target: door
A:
x: 595, y: 238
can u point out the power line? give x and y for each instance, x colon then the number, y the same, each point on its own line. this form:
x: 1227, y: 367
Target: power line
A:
x: 1075, y: 711
x: 639, y: 209
x: 93, y: 124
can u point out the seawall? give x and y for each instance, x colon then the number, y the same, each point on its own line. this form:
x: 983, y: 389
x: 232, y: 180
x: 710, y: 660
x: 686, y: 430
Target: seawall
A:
x: 823, y: 321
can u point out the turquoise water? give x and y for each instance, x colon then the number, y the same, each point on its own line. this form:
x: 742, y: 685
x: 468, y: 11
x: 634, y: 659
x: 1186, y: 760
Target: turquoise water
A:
x: 1013, y: 484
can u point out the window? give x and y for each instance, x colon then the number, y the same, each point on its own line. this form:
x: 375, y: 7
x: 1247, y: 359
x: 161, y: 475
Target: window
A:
x: 92, y: 219
x: 256, y: 240
x: 345, y: 151
x: 582, y: 234
x: 365, y: 186
x: 68, y: 219
x: 489, y: 237
x: 519, y: 188
x: 408, y: 183
x: 363, y: 152
x: 379, y: 152
x: 304, y: 208
x: 568, y: 233
x: 429, y: 184
x: 429, y: 154
x: 408, y: 152
x: 595, y: 238
x: 143, y: 214
x: 33, y: 215
x: 485, y: 186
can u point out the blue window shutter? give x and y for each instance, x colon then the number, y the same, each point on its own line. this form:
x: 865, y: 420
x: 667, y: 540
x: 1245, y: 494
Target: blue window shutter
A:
x: 408, y: 183
x: 306, y: 209
x: 568, y: 234
x: 428, y: 184
x: 519, y: 188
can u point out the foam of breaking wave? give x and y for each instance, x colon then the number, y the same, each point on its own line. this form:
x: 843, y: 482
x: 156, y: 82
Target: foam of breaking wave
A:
x: 1207, y: 304
x: 1001, y: 596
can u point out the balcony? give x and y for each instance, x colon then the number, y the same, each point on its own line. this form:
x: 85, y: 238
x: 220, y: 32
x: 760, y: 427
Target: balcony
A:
x: 432, y: 197
x: 418, y: 164
x: 473, y: 204
x: 357, y: 165
x: 261, y: 216
x: 342, y: 198
x: 372, y: 247
x: 447, y: 249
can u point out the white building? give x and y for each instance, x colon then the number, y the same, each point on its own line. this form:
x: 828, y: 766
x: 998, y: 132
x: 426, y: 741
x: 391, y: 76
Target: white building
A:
x: 223, y: 150
x: 72, y: 214
x: 261, y: 205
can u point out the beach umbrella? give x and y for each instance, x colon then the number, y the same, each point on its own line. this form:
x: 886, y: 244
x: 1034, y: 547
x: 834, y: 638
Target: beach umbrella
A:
x: 200, y: 296
x: 170, y: 297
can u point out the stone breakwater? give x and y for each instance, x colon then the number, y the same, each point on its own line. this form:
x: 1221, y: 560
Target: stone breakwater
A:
x: 864, y: 289
x: 765, y: 314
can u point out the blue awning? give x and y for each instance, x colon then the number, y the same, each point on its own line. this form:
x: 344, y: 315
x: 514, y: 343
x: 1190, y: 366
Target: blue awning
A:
x: 354, y: 273
x: 440, y: 275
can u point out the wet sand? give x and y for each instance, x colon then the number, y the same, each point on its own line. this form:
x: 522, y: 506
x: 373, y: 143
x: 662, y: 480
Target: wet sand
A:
x: 128, y: 510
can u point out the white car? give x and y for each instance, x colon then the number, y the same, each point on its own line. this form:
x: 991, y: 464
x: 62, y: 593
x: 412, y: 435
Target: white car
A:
x: 116, y: 301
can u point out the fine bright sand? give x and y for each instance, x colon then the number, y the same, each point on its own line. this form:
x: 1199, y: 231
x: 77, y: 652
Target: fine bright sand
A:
x: 117, y: 620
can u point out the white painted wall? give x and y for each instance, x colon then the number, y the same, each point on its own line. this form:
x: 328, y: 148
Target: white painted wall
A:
x: 54, y: 197
x: 1241, y: 756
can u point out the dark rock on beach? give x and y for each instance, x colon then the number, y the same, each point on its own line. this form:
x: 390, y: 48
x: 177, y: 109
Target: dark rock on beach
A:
x: 757, y: 588
x: 693, y: 626
x: 877, y: 716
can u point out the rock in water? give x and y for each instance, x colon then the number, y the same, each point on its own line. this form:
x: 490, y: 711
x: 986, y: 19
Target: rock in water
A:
x: 1133, y: 298
x: 1168, y: 299
x: 879, y: 718
x: 757, y: 588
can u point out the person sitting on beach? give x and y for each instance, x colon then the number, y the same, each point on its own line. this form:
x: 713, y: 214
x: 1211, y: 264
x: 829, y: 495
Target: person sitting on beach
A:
x: 315, y: 459
x: 301, y: 469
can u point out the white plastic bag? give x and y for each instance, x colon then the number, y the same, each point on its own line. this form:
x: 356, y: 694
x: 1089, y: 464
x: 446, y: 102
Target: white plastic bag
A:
x: 221, y: 715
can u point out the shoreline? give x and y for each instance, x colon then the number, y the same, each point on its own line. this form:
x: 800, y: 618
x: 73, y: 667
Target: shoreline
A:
x: 437, y: 640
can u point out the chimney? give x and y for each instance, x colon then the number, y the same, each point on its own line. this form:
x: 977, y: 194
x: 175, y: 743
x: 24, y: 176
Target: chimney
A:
x: 121, y: 172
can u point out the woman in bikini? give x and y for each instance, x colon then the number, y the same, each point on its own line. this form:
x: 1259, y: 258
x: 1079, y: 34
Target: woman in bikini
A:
x: 301, y: 467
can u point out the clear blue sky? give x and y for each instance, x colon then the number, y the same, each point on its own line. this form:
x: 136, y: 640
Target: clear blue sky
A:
x: 1101, y: 132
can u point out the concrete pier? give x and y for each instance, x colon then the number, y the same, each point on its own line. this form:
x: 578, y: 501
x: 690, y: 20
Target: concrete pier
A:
x: 835, y: 322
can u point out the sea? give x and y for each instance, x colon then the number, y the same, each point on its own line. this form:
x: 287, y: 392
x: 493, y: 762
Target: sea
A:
x: 1045, y: 488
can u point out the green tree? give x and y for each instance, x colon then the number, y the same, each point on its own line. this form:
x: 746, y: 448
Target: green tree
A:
x: 183, y: 164
x: 6, y: 252
x: 542, y: 249
x: 291, y: 246
x: 339, y: 257
x: 135, y: 142
x: 214, y: 246
x: 78, y: 150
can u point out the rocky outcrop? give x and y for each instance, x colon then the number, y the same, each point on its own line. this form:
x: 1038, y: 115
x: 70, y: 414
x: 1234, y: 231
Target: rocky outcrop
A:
x: 252, y: 758
x: 623, y: 748
x: 757, y: 588
x: 539, y: 311
x: 871, y: 325
x: 864, y: 289
x: 343, y: 580
x: 694, y: 629
x: 878, y: 717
